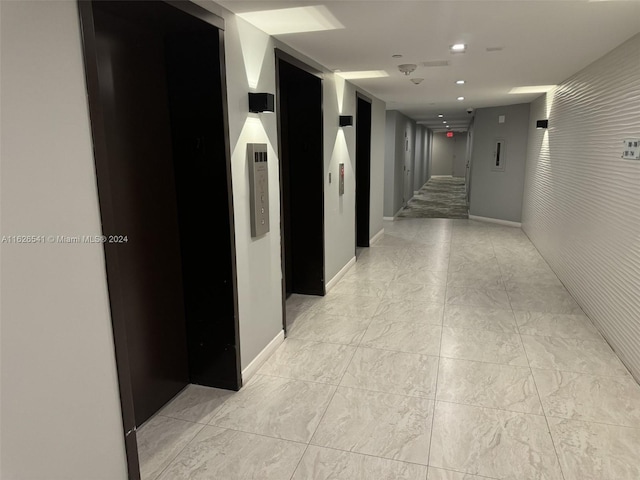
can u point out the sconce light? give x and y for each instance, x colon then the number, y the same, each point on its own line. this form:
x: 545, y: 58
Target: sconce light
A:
x: 540, y: 124
x: 261, y: 102
x: 346, y: 120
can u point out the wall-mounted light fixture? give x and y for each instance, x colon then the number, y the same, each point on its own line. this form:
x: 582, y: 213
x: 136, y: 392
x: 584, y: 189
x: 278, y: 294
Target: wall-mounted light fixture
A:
x: 261, y: 102
x: 540, y: 124
x: 346, y: 121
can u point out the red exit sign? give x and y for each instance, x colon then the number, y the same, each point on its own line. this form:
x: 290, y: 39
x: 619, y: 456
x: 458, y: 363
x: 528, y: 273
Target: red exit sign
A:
x: 449, y: 134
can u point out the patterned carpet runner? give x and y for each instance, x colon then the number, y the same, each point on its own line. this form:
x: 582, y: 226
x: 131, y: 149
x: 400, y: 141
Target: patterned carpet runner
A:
x: 440, y: 197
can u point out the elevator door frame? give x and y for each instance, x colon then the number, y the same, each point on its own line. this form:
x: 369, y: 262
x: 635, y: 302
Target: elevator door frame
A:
x: 107, y: 213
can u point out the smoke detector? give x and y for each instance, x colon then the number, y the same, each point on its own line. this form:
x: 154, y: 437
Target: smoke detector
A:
x: 417, y: 81
x: 407, y: 68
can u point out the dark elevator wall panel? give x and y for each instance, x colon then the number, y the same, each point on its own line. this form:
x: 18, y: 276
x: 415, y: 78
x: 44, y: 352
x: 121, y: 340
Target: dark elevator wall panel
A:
x: 131, y: 67
x: 363, y: 171
x: 203, y: 204
x: 302, y: 176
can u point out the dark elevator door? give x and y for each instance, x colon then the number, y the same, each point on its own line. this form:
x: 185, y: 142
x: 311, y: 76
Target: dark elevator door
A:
x: 161, y: 93
x: 131, y: 58
x: 300, y: 111
x: 363, y: 171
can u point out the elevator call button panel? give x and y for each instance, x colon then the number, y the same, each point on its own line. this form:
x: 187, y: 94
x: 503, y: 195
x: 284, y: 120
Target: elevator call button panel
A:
x: 258, y: 188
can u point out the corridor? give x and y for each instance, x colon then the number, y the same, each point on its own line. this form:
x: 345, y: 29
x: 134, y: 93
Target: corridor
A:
x: 450, y: 351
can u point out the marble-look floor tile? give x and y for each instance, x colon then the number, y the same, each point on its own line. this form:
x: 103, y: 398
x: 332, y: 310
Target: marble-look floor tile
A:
x: 493, y: 443
x: 481, y: 318
x: 360, y: 287
x: 577, y: 396
x: 276, y: 407
x: 543, y: 298
x: 160, y: 440
x: 592, y: 451
x: 411, y: 311
x: 541, y: 277
x: 480, y: 297
x: 582, y: 356
x: 327, y: 464
x: 216, y: 453
x: 348, y: 305
x: 297, y: 301
x: 294, y: 317
x: 389, y: 257
x: 370, y: 271
x: 322, y: 327
x: 488, y: 385
x: 421, y: 338
x: 379, y: 424
x: 483, y: 346
x: 392, y: 372
x: 312, y: 361
x: 557, y: 325
x: 440, y: 474
x: 196, y: 403
x: 419, y: 292
x: 468, y: 279
x: 420, y: 275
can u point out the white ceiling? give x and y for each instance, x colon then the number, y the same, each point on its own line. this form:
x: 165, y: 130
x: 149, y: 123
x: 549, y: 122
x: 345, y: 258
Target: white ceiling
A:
x: 544, y: 42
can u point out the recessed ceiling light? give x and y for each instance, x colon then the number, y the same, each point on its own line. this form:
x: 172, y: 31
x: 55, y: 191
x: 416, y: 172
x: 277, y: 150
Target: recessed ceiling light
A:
x: 440, y: 116
x: 364, y: 74
x: 458, y: 48
x: 293, y: 20
x: 533, y: 89
x: 396, y: 55
x: 444, y: 121
x: 460, y: 82
x: 460, y: 98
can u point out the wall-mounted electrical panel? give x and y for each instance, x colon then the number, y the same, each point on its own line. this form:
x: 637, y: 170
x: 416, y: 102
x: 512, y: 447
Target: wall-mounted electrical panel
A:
x: 341, y: 184
x: 631, y: 149
x: 258, y: 188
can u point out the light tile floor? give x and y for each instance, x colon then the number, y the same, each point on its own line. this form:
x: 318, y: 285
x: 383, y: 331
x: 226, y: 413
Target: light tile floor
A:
x: 450, y: 351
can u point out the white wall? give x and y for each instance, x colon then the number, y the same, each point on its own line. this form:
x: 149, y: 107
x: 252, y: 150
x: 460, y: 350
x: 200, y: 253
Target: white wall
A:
x: 459, y: 154
x: 498, y: 194
x: 582, y: 201
x: 60, y: 406
x: 442, y: 160
x: 251, y: 67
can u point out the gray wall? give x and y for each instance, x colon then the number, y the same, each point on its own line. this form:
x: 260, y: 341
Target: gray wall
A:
x: 60, y: 405
x: 442, y: 162
x: 582, y: 201
x: 496, y: 194
x: 459, y: 154
x: 399, y: 161
x: 419, y: 163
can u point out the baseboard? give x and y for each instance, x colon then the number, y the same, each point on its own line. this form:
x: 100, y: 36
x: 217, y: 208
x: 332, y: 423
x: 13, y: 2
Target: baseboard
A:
x: 262, y: 357
x: 495, y: 220
x: 441, y: 176
x: 332, y: 283
x: 375, y: 238
x: 389, y: 219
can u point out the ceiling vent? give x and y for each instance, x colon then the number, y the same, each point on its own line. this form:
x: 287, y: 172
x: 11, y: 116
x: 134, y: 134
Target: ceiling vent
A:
x: 436, y: 63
